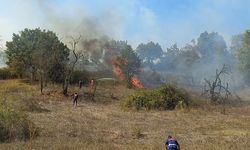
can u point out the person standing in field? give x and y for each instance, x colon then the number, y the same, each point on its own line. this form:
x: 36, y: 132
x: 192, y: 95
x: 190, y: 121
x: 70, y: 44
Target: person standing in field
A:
x: 92, y: 88
x: 75, y: 99
x: 80, y: 84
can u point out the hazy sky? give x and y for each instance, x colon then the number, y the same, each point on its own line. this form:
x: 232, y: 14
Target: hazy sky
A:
x: 163, y: 21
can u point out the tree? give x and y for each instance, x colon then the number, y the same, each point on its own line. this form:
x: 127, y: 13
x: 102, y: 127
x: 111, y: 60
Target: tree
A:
x: 2, y: 55
x: 36, y: 51
x: 101, y: 51
x: 211, y: 45
x: 127, y: 65
x: 149, y: 53
x: 243, y: 54
x: 76, y: 55
x: 188, y: 59
x: 189, y: 55
x: 236, y: 43
x: 95, y: 48
x: 113, y: 49
x: 215, y: 89
x: 169, y: 59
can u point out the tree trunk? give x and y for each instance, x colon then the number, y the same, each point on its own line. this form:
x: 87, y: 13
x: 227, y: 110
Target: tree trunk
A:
x: 41, y: 83
x: 65, y: 86
x: 33, y: 75
x: 129, y: 84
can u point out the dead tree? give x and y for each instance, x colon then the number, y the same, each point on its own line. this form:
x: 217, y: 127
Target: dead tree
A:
x: 217, y: 91
x: 76, y: 56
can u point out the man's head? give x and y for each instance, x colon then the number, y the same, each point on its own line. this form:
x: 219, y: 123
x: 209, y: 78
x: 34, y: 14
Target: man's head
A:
x: 169, y: 137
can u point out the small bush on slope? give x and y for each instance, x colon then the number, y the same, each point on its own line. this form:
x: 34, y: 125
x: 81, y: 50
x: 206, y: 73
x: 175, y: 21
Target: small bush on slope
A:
x: 15, y: 126
x: 166, y: 97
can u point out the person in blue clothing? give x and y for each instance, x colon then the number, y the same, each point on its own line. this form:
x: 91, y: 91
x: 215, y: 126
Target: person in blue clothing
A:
x: 172, y: 144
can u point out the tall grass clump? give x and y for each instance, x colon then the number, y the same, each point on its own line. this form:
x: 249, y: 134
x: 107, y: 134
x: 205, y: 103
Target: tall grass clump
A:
x: 166, y: 97
x: 15, y: 126
x: 19, y: 96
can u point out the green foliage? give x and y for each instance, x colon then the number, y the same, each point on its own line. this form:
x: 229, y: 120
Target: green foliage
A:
x: 6, y: 73
x: 211, y: 44
x: 170, y: 58
x: 15, y: 125
x: 34, y: 51
x: 244, y: 52
x: 171, y: 96
x: 102, y: 74
x: 149, y: 52
x: 166, y: 97
x: 133, y: 62
x: 189, y: 55
x: 80, y: 75
x: 56, y: 73
x: 236, y: 43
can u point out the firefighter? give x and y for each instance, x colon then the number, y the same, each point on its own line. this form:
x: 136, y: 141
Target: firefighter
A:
x: 172, y: 144
x: 80, y: 84
x: 92, y: 88
x: 75, y: 99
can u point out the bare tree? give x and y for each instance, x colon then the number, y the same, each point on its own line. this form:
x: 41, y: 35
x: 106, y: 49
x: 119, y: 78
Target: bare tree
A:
x: 216, y: 90
x: 71, y: 66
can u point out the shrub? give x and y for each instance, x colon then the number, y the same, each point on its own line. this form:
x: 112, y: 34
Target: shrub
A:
x: 29, y: 104
x: 166, y: 97
x: 80, y: 75
x: 6, y: 73
x: 15, y: 125
x: 171, y: 96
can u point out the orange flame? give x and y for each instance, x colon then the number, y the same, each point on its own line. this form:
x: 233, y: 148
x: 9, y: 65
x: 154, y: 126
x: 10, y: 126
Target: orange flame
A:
x: 117, y: 62
x: 136, y: 83
x: 119, y: 73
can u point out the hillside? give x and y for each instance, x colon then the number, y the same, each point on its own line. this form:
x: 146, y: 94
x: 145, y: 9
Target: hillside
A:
x: 102, y: 124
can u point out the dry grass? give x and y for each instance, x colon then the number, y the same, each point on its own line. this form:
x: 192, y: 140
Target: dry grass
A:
x: 103, y: 124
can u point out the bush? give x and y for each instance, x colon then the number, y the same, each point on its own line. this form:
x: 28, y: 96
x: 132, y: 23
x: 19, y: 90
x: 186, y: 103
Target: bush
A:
x: 5, y: 73
x: 15, y: 125
x: 167, y: 97
x: 172, y: 96
x: 79, y: 75
x: 29, y: 104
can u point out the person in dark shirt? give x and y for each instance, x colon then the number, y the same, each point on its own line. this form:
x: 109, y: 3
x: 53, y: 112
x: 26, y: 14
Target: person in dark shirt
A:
x: 80, y: 84
x: 75, y: 98
x: 172, y: 144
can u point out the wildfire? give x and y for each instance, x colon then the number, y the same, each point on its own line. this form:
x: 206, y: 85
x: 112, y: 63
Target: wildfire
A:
x: 119, y: 73
x: 136, y: 83
x: 117, y: 63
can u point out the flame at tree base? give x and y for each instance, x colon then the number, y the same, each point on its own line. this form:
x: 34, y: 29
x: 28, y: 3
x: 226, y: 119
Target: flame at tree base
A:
x: 136, y: 83
x: 117, y: 63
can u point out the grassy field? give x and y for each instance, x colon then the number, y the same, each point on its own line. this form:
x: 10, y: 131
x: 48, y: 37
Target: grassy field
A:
x: 104, y: 125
